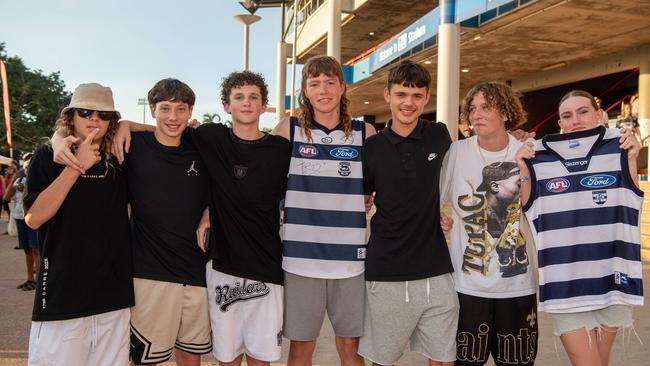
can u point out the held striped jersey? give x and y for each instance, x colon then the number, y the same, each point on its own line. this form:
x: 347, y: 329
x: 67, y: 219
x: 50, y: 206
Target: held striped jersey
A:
x: 584, y: 212
x: 324, y: 217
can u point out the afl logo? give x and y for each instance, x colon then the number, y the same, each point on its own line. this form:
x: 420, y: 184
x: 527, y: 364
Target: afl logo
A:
x: 558, y: 185
x: 344, y: 153
x: 597, y: 181
x: 308, y: 151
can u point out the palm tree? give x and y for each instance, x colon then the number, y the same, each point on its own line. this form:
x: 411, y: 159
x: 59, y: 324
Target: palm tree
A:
x: 211, y: 117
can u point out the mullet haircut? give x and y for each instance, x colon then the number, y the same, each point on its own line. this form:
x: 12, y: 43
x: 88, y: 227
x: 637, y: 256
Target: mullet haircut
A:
x: 409, y: 74
x: 238, y: 79
x: 315, y: 67
x: 171, y: 90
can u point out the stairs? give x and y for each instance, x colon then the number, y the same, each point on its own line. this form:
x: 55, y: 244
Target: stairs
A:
x: 645, y: 222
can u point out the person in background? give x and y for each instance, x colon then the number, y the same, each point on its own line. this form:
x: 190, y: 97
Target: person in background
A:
x: 7, y: 181
x: 27, y: 240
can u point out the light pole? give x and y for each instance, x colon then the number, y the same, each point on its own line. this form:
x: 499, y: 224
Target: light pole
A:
x: 143, y: 103
x: 246, y: 20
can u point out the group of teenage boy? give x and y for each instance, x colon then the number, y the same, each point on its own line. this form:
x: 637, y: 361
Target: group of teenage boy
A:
x: 118, y: 282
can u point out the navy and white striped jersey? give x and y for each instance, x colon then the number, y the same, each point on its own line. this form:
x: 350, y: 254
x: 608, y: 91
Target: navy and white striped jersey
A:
x: 324, y: 217
x: 584, y: 210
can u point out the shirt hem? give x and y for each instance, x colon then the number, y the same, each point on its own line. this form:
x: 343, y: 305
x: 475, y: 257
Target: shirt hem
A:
x: 410, y: 277
x: 324, y: 276
x: 54, y: 317
x: 182, y: 281
x: 497, y: 295
x: 248, y: 276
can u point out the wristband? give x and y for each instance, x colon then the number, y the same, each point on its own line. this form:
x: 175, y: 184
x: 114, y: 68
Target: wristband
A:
x: 524, y: 178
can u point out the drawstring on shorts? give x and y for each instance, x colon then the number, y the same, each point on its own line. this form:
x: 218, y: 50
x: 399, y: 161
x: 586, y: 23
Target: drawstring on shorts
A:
x: 93, y: 341
x: 406, y: 294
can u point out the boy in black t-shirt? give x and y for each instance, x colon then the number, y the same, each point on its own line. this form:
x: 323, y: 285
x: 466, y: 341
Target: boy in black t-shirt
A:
x: 409, y: 288
x: 248, y: 172
x: 168, y: 191
x: 85, y: 287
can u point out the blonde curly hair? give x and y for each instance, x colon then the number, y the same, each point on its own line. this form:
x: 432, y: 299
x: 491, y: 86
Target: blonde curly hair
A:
x: 64, y: 126
x: 315, y: 67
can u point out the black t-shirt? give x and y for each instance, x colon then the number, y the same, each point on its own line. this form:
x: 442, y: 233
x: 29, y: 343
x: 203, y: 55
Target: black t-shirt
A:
x: 168, y: 191
x: 406, y: 241
x: 85, y: 250
x: 248, y: 180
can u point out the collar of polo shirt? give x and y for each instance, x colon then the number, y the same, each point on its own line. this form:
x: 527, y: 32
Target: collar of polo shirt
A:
x: 394, y: 138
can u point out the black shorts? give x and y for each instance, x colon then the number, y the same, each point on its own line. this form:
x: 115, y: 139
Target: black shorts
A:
x: 505, y: 328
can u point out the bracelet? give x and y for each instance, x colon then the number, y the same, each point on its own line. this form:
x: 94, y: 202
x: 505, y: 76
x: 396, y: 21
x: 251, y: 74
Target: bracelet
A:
x: 524, y: 178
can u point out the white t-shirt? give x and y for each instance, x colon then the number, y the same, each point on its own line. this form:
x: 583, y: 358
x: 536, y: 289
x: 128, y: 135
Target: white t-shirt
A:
x: 489, y: 239
x: 17, y: 211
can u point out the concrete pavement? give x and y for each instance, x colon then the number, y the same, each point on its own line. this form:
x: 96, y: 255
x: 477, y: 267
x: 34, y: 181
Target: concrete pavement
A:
x: 16, y: 307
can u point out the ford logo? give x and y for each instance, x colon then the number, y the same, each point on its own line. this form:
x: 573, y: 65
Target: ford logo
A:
x: 597, y: 181
x: 344, y: 153
x: 558, y: 185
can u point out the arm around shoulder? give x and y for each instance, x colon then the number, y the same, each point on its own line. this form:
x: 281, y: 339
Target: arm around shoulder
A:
x: 283, y: 128
x: 370, y: 130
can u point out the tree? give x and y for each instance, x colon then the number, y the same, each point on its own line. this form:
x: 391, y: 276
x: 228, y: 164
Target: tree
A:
x: 210, y: 117
x: 35, y: 100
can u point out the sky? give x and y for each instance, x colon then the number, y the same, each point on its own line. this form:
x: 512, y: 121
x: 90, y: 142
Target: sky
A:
x: 129, y: 45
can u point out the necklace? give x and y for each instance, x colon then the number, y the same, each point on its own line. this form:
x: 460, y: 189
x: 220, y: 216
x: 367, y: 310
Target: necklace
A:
x: 505, y: 156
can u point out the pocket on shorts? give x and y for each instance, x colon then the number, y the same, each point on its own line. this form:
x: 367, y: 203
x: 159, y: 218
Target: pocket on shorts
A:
x: 74, y: 330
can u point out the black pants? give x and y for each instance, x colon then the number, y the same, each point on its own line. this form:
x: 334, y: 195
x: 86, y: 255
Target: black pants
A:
x: 505, y: 328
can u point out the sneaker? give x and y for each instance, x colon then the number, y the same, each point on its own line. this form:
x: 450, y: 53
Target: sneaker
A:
x: 30, y: 285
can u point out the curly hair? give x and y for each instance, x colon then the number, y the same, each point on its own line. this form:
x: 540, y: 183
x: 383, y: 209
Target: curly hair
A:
x: 315, y: 67
x: 238, y: 79
x: 500, y: 96
x: 64, y: 126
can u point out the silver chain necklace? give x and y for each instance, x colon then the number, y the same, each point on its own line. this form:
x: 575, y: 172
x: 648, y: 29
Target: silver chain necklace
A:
x: 505, y: 156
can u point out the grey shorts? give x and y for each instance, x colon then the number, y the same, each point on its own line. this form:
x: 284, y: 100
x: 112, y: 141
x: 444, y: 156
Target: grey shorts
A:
x: 424, y: 312
x: 613, y: 316
x: 307, y: 299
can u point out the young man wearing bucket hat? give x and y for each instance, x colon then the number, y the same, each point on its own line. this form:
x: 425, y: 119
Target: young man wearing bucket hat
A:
x: 168, y: 191
x: 247, y: 170
x: 85, y: 288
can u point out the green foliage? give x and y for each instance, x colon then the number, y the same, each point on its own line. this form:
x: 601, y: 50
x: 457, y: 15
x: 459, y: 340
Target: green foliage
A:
x: 35, y: 100
x: 211, y: 117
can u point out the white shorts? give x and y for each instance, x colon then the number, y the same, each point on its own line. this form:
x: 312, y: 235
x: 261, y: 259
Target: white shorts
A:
x: 246, y: 317
x: 98, y: 340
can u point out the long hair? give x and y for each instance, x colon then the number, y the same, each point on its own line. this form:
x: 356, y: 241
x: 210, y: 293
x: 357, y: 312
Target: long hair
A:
x: 64, y: 126
x: 315, y: 67
x: 500, y: 96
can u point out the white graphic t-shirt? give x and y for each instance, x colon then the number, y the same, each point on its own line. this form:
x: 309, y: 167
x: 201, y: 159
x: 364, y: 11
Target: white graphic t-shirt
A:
x: 489, y: 238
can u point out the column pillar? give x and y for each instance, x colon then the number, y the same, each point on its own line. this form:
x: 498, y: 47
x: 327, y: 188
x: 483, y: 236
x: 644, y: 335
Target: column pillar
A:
x: 334, y: 29
x: 448, y: 83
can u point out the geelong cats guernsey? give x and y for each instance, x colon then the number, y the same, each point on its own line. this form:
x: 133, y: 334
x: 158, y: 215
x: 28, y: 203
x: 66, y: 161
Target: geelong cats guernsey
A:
x: 584, y: 211
x: 324, y: 211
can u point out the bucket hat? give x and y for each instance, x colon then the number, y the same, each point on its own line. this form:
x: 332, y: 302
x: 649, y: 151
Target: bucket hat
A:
x: 92, y: 96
